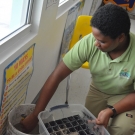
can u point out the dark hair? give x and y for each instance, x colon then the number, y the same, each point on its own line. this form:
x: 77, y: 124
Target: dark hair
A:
x: 111, y: 20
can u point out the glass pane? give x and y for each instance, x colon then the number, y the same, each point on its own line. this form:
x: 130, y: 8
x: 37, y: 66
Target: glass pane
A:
x: 13, y: 15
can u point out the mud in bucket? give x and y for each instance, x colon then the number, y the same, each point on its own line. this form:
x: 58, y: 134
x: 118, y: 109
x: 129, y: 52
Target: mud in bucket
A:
x: 15, y: 116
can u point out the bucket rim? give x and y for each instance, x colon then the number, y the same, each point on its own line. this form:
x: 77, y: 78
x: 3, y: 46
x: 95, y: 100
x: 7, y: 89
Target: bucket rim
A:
x: 12, y: 125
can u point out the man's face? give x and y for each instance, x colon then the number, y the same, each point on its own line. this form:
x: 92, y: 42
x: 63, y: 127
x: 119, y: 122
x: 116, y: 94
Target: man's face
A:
x: 104, y: 43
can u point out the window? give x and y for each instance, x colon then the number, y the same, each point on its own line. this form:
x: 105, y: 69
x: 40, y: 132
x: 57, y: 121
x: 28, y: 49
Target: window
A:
x: 65, y: 5
x: 62, y: 2
x: 14, y: 14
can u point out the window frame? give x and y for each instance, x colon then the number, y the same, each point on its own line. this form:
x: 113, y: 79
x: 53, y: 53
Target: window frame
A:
x: 27, y: 22
x: 61, y: 3
x: 64, y: 6
x: 17, y: 40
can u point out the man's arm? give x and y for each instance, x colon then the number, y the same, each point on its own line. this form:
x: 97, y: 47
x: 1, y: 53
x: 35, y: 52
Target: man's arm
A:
x: 126, y: 104
x: 49, y: 88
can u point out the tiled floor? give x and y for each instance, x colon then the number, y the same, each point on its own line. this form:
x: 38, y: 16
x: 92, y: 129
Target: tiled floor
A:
x: 79, y: 86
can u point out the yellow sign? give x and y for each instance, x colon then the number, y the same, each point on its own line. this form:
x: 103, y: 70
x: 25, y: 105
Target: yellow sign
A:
x: 14, y: 70
x: 16, y: 79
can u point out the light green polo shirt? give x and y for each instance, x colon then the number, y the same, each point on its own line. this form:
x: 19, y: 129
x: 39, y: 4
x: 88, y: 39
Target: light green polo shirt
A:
x: 109, y: 76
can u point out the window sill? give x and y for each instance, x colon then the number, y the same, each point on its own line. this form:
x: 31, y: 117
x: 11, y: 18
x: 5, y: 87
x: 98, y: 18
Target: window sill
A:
x: 15, y: 41
x: 22, y: 30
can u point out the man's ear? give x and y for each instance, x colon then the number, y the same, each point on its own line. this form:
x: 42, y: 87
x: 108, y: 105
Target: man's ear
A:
x: 121, y: 37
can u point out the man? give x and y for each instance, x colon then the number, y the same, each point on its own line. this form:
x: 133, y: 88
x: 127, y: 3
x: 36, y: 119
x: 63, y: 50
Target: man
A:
x: 110, y: 50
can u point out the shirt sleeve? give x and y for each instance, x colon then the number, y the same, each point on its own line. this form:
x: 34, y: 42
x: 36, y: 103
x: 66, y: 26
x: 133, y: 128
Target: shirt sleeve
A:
x: 80, y: 53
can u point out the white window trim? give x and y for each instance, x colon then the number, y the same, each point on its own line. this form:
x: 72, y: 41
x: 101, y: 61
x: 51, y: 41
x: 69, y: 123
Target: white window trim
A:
x: 14, y: 42
x: 24, y: 29
x: 65, y: 6
x: 60, y: 4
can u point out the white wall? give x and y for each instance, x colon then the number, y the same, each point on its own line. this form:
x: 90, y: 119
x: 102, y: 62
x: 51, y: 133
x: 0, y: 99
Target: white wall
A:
x: 132, y: 26
x: 46, y: 49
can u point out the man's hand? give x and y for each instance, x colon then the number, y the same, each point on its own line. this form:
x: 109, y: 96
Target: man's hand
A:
x: 29, y: 123
x: 103, y: 117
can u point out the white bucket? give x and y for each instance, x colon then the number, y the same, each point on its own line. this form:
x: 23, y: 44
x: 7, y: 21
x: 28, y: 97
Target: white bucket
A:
x: 15, y: 116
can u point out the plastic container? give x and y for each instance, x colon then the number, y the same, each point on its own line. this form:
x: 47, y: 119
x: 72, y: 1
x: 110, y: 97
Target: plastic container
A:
x: 15, y: 116
x: 69, y: 119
